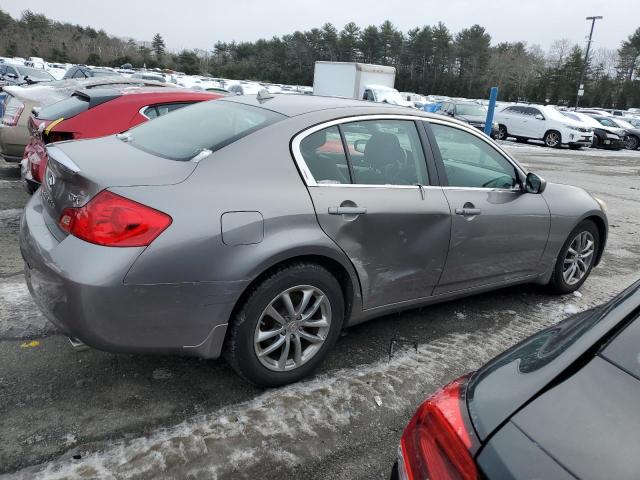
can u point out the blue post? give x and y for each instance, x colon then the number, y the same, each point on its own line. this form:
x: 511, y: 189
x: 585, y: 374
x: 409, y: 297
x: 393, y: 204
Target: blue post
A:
x: 488, y: 124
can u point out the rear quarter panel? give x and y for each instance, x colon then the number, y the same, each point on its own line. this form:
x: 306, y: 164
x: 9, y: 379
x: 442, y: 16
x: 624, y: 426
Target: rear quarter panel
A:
x: 254, y: 174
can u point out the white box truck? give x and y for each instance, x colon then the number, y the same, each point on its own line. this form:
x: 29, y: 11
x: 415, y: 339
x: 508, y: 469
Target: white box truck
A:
x: 360, y: 81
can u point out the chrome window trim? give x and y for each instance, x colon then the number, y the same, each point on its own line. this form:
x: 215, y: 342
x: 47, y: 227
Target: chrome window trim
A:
x: 142, y: 110
x: 311, y: 182
x: 302, y: 165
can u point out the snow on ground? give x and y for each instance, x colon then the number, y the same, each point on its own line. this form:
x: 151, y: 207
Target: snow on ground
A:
x: 303, y: 421
x: 19, y: 316
x: 533, y: 148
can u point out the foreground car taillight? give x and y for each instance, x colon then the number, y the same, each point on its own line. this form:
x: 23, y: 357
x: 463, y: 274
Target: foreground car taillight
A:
x: 114, y: 221
x: 438, y: 442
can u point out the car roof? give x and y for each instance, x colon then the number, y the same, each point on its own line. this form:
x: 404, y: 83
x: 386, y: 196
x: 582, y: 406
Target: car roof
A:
x: 294, y: 105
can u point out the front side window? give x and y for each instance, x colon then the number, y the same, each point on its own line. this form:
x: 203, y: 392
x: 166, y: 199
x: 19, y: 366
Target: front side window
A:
x: 204, y: 126
x: 471, y: 162
x: 385, y: 152
x: 325, y: 157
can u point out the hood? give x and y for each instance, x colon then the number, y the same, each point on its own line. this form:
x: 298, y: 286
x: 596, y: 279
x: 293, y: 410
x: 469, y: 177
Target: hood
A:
x: 472, y: 118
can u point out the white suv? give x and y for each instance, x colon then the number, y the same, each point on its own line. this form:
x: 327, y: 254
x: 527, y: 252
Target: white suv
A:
x: 544, y: 123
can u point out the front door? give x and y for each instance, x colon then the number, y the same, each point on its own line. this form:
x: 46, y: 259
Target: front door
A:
x: 375, y: 202
x: 498, y: 232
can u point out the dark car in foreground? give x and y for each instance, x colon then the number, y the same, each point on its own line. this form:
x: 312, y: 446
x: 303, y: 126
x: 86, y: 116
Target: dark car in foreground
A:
x: 227, y: 227
x: 469, y: 112
x: 562, y: 404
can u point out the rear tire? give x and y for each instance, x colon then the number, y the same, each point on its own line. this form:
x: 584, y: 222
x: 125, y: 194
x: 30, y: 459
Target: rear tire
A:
x: 502, y: 133
x: 553, y: 139
x: 291, y: 348
x: 573, y: 255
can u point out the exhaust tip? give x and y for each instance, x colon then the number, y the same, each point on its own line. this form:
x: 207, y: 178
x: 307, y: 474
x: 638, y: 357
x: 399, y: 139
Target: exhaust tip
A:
x: 78, y: 345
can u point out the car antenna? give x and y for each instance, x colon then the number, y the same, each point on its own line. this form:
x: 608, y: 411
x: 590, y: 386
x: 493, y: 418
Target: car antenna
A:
x: 264, y: 95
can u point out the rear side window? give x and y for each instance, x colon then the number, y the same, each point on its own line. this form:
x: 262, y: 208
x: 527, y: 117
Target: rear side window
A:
x: 154, y: 111
x: 324, y: 155
x: 67, y: 108
x: 207, y: 125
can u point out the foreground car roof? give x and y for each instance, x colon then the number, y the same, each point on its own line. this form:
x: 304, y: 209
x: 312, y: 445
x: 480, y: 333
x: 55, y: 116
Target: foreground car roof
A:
x: 293, y: 105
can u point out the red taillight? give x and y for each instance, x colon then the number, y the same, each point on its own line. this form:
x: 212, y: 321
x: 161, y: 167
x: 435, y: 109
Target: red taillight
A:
x: 438, y: 441
x: 12, y: 110
x: 111, y: 220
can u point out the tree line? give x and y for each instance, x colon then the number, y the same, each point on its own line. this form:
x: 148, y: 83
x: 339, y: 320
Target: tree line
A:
x: 428, y: 60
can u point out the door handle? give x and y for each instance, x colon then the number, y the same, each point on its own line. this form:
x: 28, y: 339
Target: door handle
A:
x: 468, y: 212
x: 347, y: 210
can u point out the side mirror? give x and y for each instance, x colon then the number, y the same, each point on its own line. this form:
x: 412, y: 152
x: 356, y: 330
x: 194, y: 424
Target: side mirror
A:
x: 535, y: 184
x: 539, y: 117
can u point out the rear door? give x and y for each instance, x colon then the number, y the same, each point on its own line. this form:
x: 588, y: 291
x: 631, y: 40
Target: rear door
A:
x: 363, y: 177
x: 498, y: 232
x: 515, y: 121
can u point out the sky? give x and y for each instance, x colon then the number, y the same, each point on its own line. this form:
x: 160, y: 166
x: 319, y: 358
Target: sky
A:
x: 201, y: 23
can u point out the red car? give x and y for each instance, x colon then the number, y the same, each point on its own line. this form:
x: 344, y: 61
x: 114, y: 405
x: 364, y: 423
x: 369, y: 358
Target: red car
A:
x: 95, y: 113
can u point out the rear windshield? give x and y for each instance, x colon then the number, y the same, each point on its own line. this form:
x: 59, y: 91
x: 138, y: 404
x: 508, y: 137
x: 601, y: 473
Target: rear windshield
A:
x: 34, y: 73
x: 211, y: 125
x: 67, y: 108
x: 103, y: 73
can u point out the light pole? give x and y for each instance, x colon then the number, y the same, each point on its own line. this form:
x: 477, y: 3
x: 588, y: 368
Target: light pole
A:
x: 586, y: 59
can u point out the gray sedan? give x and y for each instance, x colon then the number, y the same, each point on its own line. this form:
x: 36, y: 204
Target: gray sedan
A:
x: 258, y: 227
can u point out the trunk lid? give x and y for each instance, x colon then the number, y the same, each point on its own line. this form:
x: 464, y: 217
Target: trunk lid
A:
x: 77, y: 171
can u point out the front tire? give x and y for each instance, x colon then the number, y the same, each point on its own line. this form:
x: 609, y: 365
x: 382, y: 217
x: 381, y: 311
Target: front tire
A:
x: 632, y: 142
x: 576, y: 258
x: 286, y: 325
x: 552, y: 139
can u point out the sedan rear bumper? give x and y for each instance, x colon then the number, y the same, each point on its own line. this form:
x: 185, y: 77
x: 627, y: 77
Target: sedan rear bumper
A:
x: 79, y: 287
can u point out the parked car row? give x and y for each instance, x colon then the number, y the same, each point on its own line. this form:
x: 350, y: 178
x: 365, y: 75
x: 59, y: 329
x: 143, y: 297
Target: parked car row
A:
x: 19, y: 102
x: 564, y: 127
x: 97, y: 112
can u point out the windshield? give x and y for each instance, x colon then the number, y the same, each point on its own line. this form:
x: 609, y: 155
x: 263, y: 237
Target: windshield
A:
x: 184, y: 133
x: 586, y: 119
x: 67, y: 108
x: 634, y: 121
x: 103, y: 73
x: 623, y: 123
x: 35, y: 74
x: 471, y: 110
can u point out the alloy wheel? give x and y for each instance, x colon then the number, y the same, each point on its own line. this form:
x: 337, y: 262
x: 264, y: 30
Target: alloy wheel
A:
x: 293, y: 328
x: 631, y: 142
x: 502, y: 133
x: 552, y: 139
x: 578, y: 258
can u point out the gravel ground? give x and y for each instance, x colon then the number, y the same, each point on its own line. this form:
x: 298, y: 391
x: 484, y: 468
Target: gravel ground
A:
x: 98, y: 415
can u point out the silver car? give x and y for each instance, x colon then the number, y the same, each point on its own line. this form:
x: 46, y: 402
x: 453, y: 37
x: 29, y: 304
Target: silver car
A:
x: 257, y: 227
